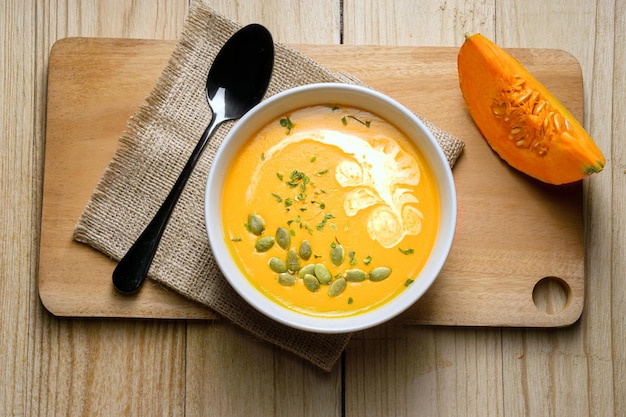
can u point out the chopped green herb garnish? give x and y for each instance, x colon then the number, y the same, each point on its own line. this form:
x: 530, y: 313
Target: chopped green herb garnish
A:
x: 321, y: 224
x: 236, y: 239
x: 286, y: 122
x: 313, y: 158
x: 280, y: 176
x: 263, y: 156
x: 320, y: 173
x: 277, y: 197
x: 367, y: 260
x: 408, y: 282
x: 350, y: 300
x: 352, y: 254
x: 366, y: 123
x: 320, y: 205
x: 344, y: 121
x: 298, y: 179
x: 408, y: 251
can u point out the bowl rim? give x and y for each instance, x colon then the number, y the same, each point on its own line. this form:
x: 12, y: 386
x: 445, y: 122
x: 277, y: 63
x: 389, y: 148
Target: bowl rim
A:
x: 274, y: 106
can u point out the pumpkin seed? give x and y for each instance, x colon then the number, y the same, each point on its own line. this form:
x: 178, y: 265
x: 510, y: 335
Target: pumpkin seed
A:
x: 379, y: 273
x: 256, y: 224
x: 337, y: 287
x: 539, y: 107
x: 277, y: 265
x: 305, y: 250
x: 293, y: 261
x: 337, y: 255
x: 557, y: 119
x: 311, y: 282
x: 283, y: 238
x: 323, y: 274
x: 355, y: 275
x: 523, y: 96
x: 264, y: 244
x: 307, y: 269
x: 286, y: 279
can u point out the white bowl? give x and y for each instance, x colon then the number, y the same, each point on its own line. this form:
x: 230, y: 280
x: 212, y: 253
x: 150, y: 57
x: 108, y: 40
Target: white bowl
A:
x: 349, y: 95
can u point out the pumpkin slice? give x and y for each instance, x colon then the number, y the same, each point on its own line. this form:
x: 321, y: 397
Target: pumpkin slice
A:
x: 520, y: 119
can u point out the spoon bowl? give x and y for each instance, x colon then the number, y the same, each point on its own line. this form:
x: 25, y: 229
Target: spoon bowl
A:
x: 237, y: 81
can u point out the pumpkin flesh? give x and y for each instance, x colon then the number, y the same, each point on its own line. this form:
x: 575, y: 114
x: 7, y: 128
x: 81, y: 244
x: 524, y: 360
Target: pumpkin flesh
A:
x: 520, y: 119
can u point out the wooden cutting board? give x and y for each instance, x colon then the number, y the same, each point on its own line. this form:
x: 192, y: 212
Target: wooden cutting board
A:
x: 517, y: 259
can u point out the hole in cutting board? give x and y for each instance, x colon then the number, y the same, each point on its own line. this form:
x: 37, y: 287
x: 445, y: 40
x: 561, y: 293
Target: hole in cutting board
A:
x: 551, y: 295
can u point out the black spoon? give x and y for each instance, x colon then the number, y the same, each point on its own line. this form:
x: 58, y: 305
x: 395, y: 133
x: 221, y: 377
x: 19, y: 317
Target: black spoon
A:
x: 237, y: 81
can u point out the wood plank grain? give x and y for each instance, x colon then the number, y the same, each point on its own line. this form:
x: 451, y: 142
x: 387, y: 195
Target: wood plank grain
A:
x: 550, y: 361
x: 74, y: 367
x: 107, y: 367
x: 617, y: 350
x: 20, y: 157
x: 420, y: 370
x: 243, y: 376
x: 423, y: 23
x: 289, y: 21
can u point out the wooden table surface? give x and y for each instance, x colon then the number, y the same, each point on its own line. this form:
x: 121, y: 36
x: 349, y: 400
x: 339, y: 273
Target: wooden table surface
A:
x: 113, y: 367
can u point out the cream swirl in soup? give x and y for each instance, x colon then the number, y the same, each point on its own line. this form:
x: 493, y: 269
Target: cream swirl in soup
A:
x: 374, y: 173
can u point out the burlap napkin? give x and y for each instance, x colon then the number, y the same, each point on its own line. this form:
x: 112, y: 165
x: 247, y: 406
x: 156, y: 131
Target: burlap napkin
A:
x: 152, y: 152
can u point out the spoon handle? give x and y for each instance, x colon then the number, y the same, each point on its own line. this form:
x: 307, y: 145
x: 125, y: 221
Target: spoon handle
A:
x: 133, y: 268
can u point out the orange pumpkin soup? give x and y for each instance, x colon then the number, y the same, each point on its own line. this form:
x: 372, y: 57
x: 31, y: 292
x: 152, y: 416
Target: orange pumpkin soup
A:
x: 330, y: 211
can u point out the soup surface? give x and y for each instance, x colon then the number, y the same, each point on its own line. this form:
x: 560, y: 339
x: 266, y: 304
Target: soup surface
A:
x: 330, y: 211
